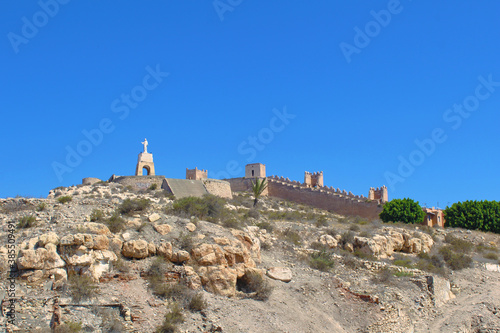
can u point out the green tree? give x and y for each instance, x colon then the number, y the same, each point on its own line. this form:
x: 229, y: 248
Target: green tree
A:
x: 475, y: 215
x: 402, y: 210
x: 257, y: 188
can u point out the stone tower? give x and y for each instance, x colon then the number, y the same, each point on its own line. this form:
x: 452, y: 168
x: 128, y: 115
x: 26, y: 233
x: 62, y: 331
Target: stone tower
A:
x: 255, y: 170
x: 379, y: 193
x: 313, y: 179
x: 196, y: 174
x: 145, y: 161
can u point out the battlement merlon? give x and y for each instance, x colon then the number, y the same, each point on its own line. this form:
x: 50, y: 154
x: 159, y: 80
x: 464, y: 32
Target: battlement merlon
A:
x: 314, y: 179
x: 380, y: 194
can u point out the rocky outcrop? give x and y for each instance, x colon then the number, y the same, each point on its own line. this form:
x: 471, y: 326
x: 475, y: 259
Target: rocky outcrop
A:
x: 395, y: 240
x: 137, y: 249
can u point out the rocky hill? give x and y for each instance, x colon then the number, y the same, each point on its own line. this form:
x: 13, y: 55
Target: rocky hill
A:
x: 102, y: 258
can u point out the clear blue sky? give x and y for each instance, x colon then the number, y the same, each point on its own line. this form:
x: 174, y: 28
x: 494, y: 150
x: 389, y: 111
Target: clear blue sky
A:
x: 357, y: 83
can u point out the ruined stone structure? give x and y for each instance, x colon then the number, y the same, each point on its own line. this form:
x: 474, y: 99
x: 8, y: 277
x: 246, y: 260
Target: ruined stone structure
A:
x: 379, y: 193
x: 196, y: 174
x: 145, y: 162
x: 313, y: 179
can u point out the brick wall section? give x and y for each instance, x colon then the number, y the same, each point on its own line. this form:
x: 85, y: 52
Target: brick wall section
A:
x: 324, y: 198
x: 219, y: 188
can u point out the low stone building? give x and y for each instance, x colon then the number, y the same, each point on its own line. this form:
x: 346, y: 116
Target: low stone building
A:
x: 434, y: 217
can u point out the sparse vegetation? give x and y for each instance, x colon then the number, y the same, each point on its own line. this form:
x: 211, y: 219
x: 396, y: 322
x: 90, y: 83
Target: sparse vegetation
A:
x: 153, y: 187
x: 69, y: 327
x: 115, y: 223
x: 258, y: 187
x: 131, y: 206
x: 27, y: 221
x: 321, y: 221
x: 97, y: 215
x: 455, y: 261
x: 197, y: 303
x: 321, y: 260
x: 265, y: 225
x: 172, y: 319
x: 41, y: 207
x: 209, y: 207
x: 291, y: 236
x: 491, y: 255
x: 82, y: 288
x: 64, y: 199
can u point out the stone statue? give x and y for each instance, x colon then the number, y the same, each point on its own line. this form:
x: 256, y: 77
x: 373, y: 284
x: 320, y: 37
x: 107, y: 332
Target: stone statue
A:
x: 145, y: 143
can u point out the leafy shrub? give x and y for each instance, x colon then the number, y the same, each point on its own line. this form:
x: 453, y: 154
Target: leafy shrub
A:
x: 402, y: 210
x: 64, y: 199
x: 253, y: 283
x: 27, y: 221
x: 97, y: 215
x: 197, y: 303
x: 115, y: 223
x: 322, y: 261
x: 82, y: 287
x: 172, y: 319
x: 131, y: 206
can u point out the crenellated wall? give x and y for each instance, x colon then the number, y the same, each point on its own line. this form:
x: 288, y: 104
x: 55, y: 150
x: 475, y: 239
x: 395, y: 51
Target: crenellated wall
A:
x: 341, y: 202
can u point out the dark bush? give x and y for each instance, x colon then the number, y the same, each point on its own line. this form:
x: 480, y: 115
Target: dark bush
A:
x: 455, y: 261
x: 96, y: 216
x: 172, y: 319
x: 209, y: 207
x: 197, y: 303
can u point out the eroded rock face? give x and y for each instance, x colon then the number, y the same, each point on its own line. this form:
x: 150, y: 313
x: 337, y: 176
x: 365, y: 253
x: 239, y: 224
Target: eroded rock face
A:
x: 32, y: 259
x: 328, y: 240
x: 398, y: 240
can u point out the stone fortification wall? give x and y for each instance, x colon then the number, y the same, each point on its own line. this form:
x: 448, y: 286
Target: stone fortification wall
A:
x: 90, y: 181
x: 138, y: 182
x: 341, y: 202
x: 242, y: 185
x: 219, y: 188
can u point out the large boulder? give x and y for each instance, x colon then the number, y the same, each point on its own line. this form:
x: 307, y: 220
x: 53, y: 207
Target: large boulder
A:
x: 219, y: 280
x: 280, y: 273
x: 209, y: 255
x: 32, y: 259
x: 137, y: 249
x: 48, y: 238
x: 328, y: 241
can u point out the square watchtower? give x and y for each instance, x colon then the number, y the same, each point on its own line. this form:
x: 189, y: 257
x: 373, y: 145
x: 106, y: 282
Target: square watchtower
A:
x: 255, y: 170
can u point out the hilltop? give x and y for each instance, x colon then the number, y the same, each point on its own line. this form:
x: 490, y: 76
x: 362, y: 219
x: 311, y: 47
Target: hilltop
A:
x: 106, y: 258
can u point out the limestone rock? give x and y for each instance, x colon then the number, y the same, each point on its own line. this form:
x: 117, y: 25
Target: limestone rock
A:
x: 329, y: 241
x: 52, y: 259
x: 193, y: 279
x: 152, y: 249
x: 165, y: 250
x: 135, y: 249
x: 180, y: 257
x: 32, y: 259
x: 154, y: 217
x: 219, y: 280
x: 209, y: 255
x: 49, y: 238
x: 163, y: 229
x: 96, y: 228
x: 191, y: 227
x: 280, y: 273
